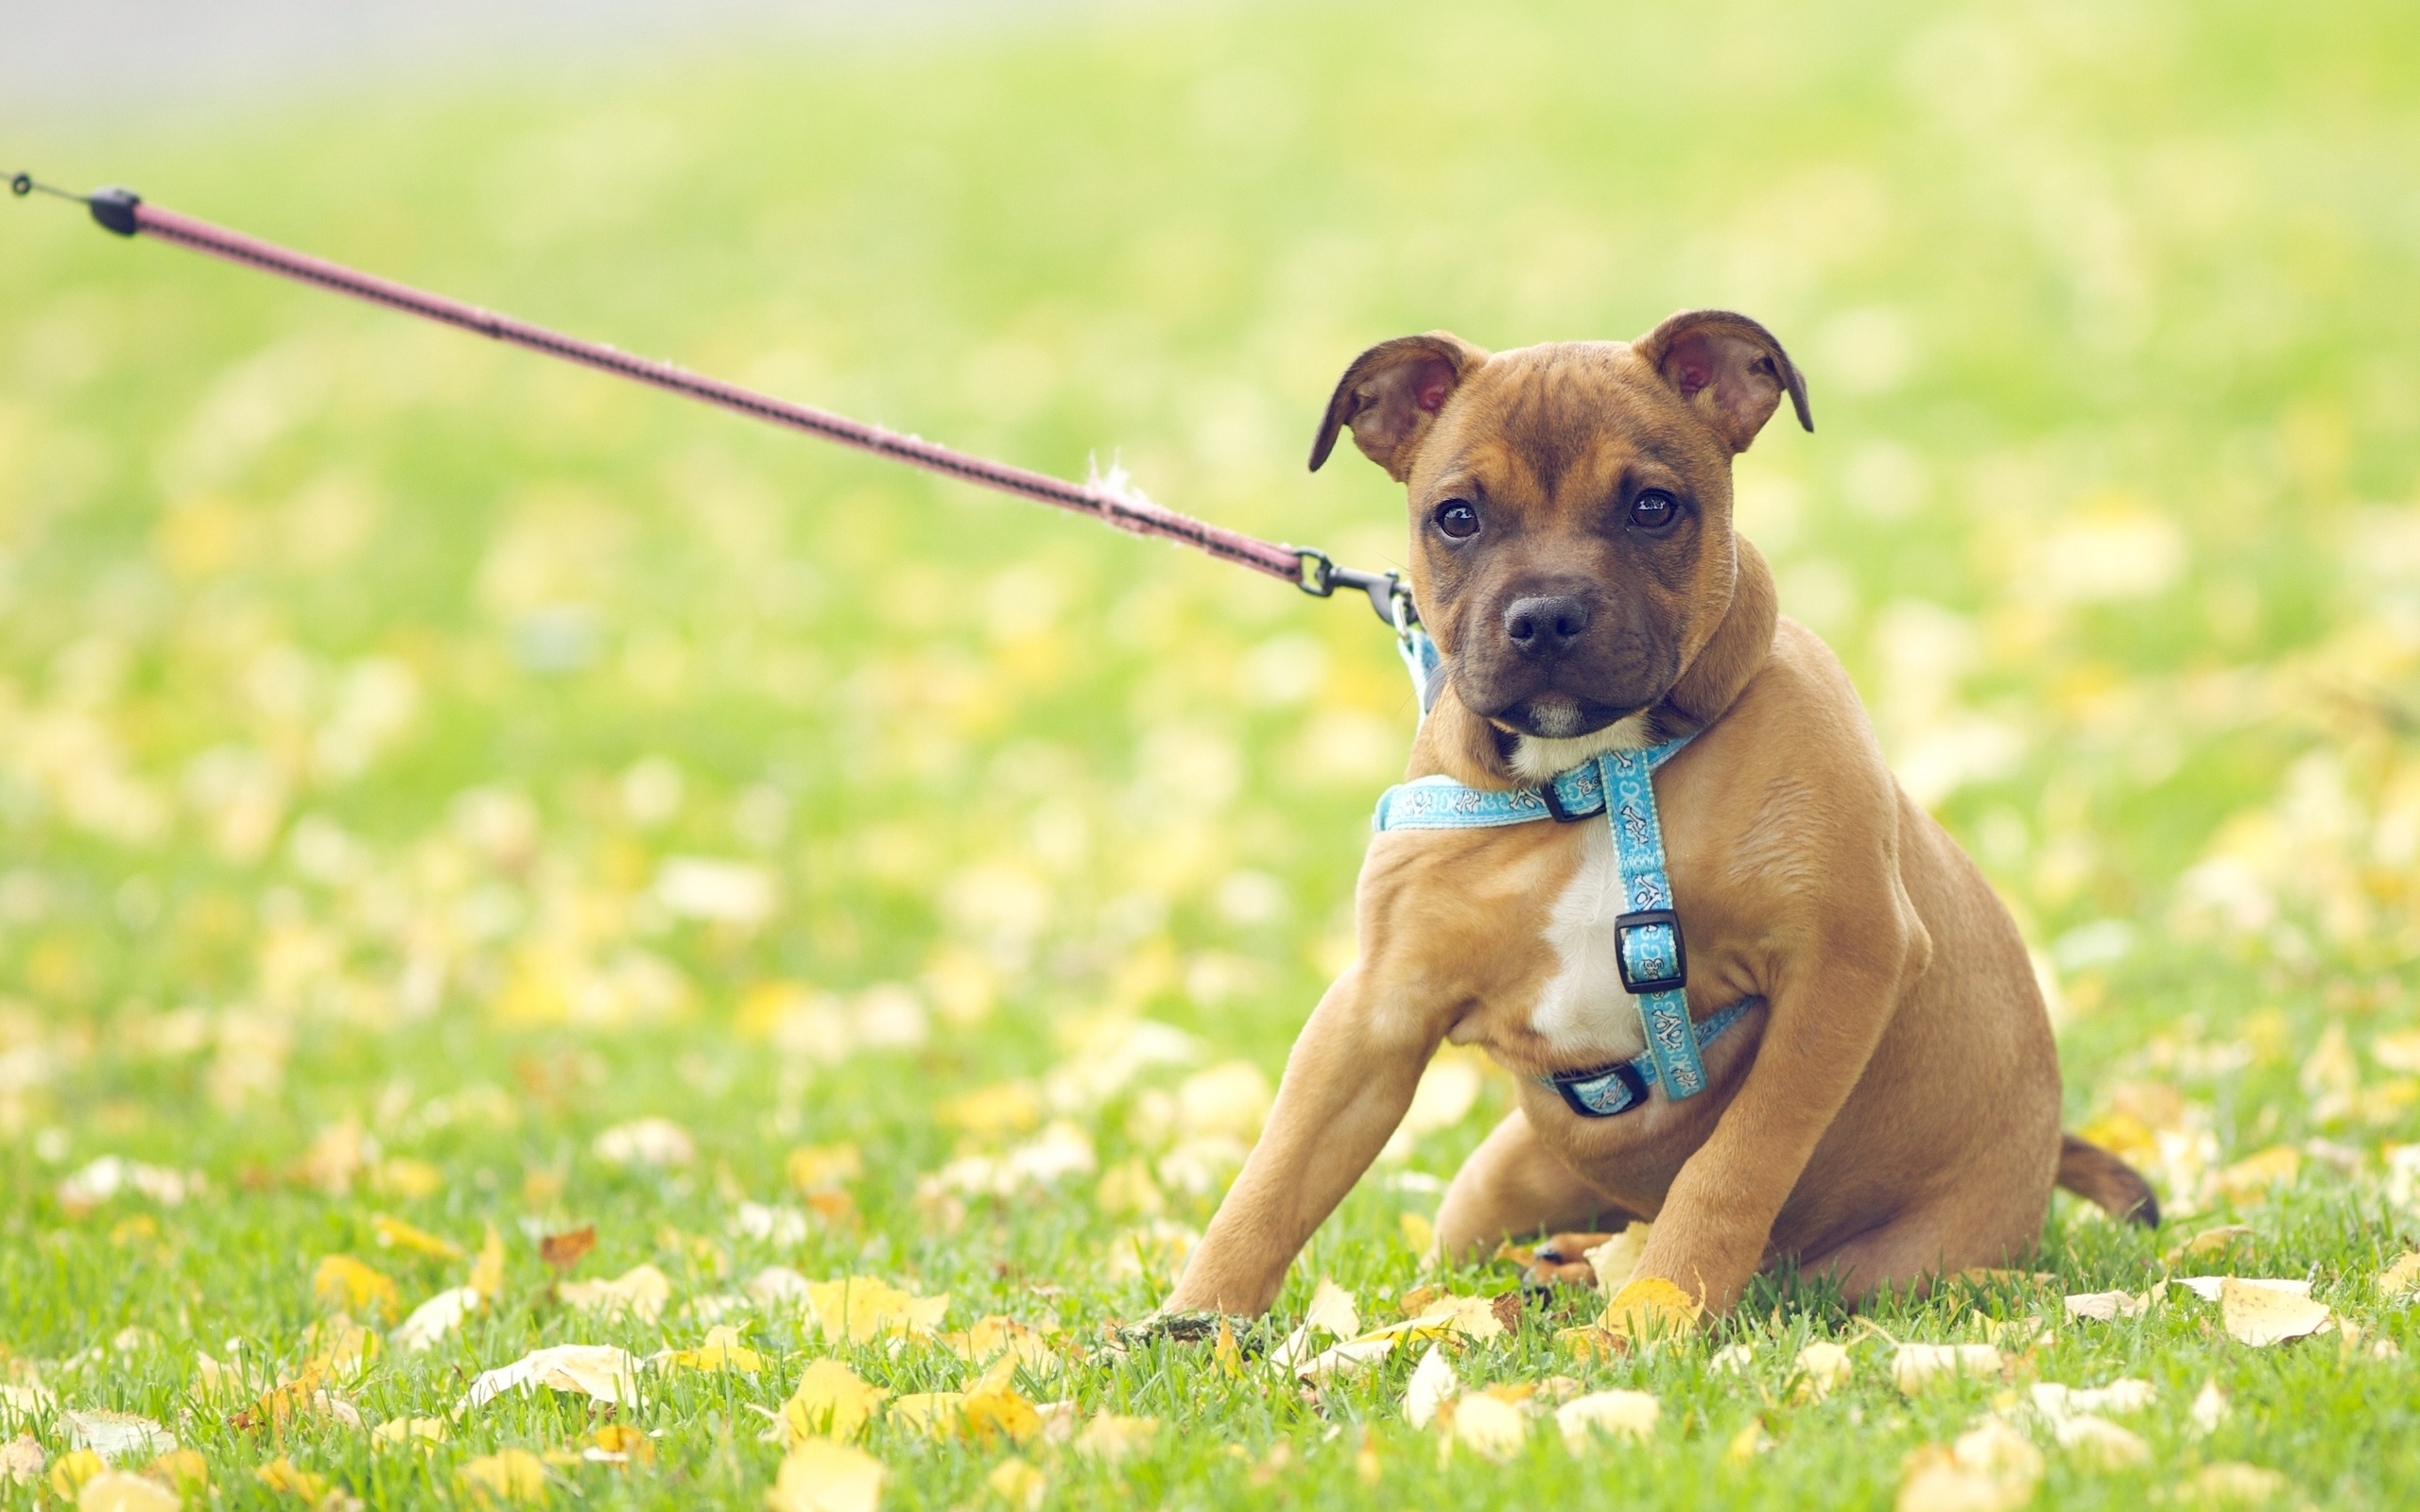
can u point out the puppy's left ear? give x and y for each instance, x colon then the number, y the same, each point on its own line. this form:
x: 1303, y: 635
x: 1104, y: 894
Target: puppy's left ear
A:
x: 1726, y: 368
x: 1390, y: 396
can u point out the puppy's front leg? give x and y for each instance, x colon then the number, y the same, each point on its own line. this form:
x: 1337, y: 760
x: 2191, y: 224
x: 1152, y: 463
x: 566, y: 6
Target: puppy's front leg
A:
x: 1829, y: 1008
x: 1348, y: 1081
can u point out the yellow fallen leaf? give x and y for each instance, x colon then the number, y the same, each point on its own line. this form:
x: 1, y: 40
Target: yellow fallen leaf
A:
x: 2232, y: 1483
x: 1019, y: 1482
x: 1627, y: 1414
x: 2401, y: 1277
x: 2261, y: 1315
x: 435, y: 1318
x: 342, y: 1283
x: 285, y: 1478
x: 859, y: 1309
x: 1989, y: 1468
x: 2210, y: 1241
x: 1419, y: 1231
x: 1433, y: 1383
x: 619, y: 1444
x: 400, y: 1175
x: 1333, y: 1311
x: 821, y: 1167
x: 69, y: 1473
x: 507, y: 1475
x: 1111, y: 1436
x: 829, y: 1402
x: 2100, y: 1443
x: 115, y: 1435
x: 1918, y: 1366
x: 1489, y: 1426
x: 1225, y: 1352
x: 339, y: 1346
x: 410, y: 1429
x: 2251, y: 1178
x: 21, y: 1460
x: 396, y: 1234
x: 723, y: 1350
x: 182, y: 1468
x: 1651, y: 1307
x: 1820, y: 1369
x: 2105, y: 1307
x: 1747, y: 1443
x: 1616, y: 1260
x: 820, y: 1475
x: 999, y: 1413
x: 934, y: 1414
x: 2209, y: 1411
x: 117, y: 1491
x: 991, y: 1112
x: 642, y: 1290
x: 597, y: 1370
x: 487, y: 1272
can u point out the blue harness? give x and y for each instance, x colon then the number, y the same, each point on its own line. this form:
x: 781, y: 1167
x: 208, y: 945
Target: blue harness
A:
x: 1647, y: 949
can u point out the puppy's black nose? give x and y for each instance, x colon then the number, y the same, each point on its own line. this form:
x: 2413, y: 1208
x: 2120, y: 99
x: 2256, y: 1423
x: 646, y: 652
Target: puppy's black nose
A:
x: 1545, y: 627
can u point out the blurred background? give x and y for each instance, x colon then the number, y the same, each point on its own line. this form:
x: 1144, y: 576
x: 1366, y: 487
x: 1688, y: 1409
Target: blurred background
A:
x: 416, y: 744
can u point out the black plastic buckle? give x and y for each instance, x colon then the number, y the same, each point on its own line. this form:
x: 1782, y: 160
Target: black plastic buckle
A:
x: 1672, y: 982
x: 1623, y: 1071
x: 1554, y: 806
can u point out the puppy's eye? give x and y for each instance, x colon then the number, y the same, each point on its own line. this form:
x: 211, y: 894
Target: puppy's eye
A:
x: 1457, y: 519
x: 1653, y: 509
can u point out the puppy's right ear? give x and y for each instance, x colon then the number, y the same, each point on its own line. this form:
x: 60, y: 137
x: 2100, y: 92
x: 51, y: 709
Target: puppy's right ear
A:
x: 1391, y: 394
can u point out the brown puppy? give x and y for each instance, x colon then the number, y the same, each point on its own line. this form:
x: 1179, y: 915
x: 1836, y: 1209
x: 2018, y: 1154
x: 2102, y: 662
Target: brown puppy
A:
x: 1891, y: 1110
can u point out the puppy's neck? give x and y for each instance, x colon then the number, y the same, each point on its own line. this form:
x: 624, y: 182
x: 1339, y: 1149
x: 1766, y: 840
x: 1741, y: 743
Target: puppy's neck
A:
x: 1468, y: 748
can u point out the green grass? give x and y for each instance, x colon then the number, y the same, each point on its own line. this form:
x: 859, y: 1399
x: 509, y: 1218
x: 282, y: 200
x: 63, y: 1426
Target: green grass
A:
x: 356, y: 680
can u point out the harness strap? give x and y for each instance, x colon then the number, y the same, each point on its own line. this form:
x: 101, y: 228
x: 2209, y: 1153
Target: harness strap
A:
x: 1622, y: 1086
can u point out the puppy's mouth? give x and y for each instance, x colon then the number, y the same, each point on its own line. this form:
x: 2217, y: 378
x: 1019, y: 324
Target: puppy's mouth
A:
x: 1559, y: 717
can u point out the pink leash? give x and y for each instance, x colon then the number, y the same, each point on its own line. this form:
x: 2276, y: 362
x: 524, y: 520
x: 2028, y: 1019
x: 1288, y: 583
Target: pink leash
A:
x: 124, y: 212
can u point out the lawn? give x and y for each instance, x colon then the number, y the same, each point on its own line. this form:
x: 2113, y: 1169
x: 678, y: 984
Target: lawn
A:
x: 448, y: 794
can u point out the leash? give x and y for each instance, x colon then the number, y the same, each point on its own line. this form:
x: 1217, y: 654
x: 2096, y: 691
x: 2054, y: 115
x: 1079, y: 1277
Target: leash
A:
x: 1109, y: 499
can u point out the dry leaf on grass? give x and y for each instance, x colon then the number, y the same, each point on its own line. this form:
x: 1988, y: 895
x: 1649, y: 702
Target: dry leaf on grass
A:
x: 1651, y: 1307
x: 859, y: 1309
x: 829, y: 1402
x: 934, y: 1414
x: 1616, y: 1260
x: 1019, y: 1482
x: 116, y: 1436
x: 487, y: 1272
x: 285, y: 1478
x: 2231, y: 1482
x: 599, y: 1370
x: 2210, y: 1242
x: 1626, y: 1415
x: 2106, y: 1307
x: 2125, y: 1393
x: 21, y: 1460
x: 642, y: 1292
x: 345, y: 1284
x: 1820, y: 1369
x: 435, y: 1318
x: 821, y: 1475
x: 117, y: 1491
x: 1111, y: 1436
x: 564, y: 1250
x: 2100, y: 1443
x: 393, y: 1233
x: 72, y: 1469
x: 649, y: 1141
x: 1991, y: 1468
x: 2209, y: 1411
x: 2261, y: 1315
x: 411, y: 1430
x: 1488, y: 1425
x: 2401, y: 1277
x: 723, y: 1350
x: 999, y: 1414
x: 1918, y: 1366
x: 1433, y: 1383
x: 1333, y: 1311
x: 507, y: 1475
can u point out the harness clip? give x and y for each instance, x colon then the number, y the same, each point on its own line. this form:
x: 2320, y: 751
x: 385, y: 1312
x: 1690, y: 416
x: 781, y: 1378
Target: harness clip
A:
x: 1629, y: 927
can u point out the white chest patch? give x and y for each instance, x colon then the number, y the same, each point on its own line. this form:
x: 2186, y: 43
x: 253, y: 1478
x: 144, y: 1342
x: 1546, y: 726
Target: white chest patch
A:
x: 1582, y: 1012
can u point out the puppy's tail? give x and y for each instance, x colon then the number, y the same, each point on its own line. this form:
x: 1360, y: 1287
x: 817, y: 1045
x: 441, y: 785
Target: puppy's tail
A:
x: 2096, y: 1175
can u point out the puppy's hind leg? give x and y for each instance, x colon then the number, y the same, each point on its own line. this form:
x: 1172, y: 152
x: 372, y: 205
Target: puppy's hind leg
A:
x: 1513, y: 1185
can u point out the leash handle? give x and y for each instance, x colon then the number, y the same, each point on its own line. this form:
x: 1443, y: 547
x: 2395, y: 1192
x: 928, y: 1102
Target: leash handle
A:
x: 1111, y: 501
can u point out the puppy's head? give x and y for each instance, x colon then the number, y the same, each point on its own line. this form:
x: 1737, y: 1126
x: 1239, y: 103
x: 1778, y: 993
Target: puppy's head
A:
x: 1570, y: 504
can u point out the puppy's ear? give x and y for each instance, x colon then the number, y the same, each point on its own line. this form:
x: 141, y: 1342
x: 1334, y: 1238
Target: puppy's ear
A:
x: 1391, y: 394
x: 1728, y: 368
